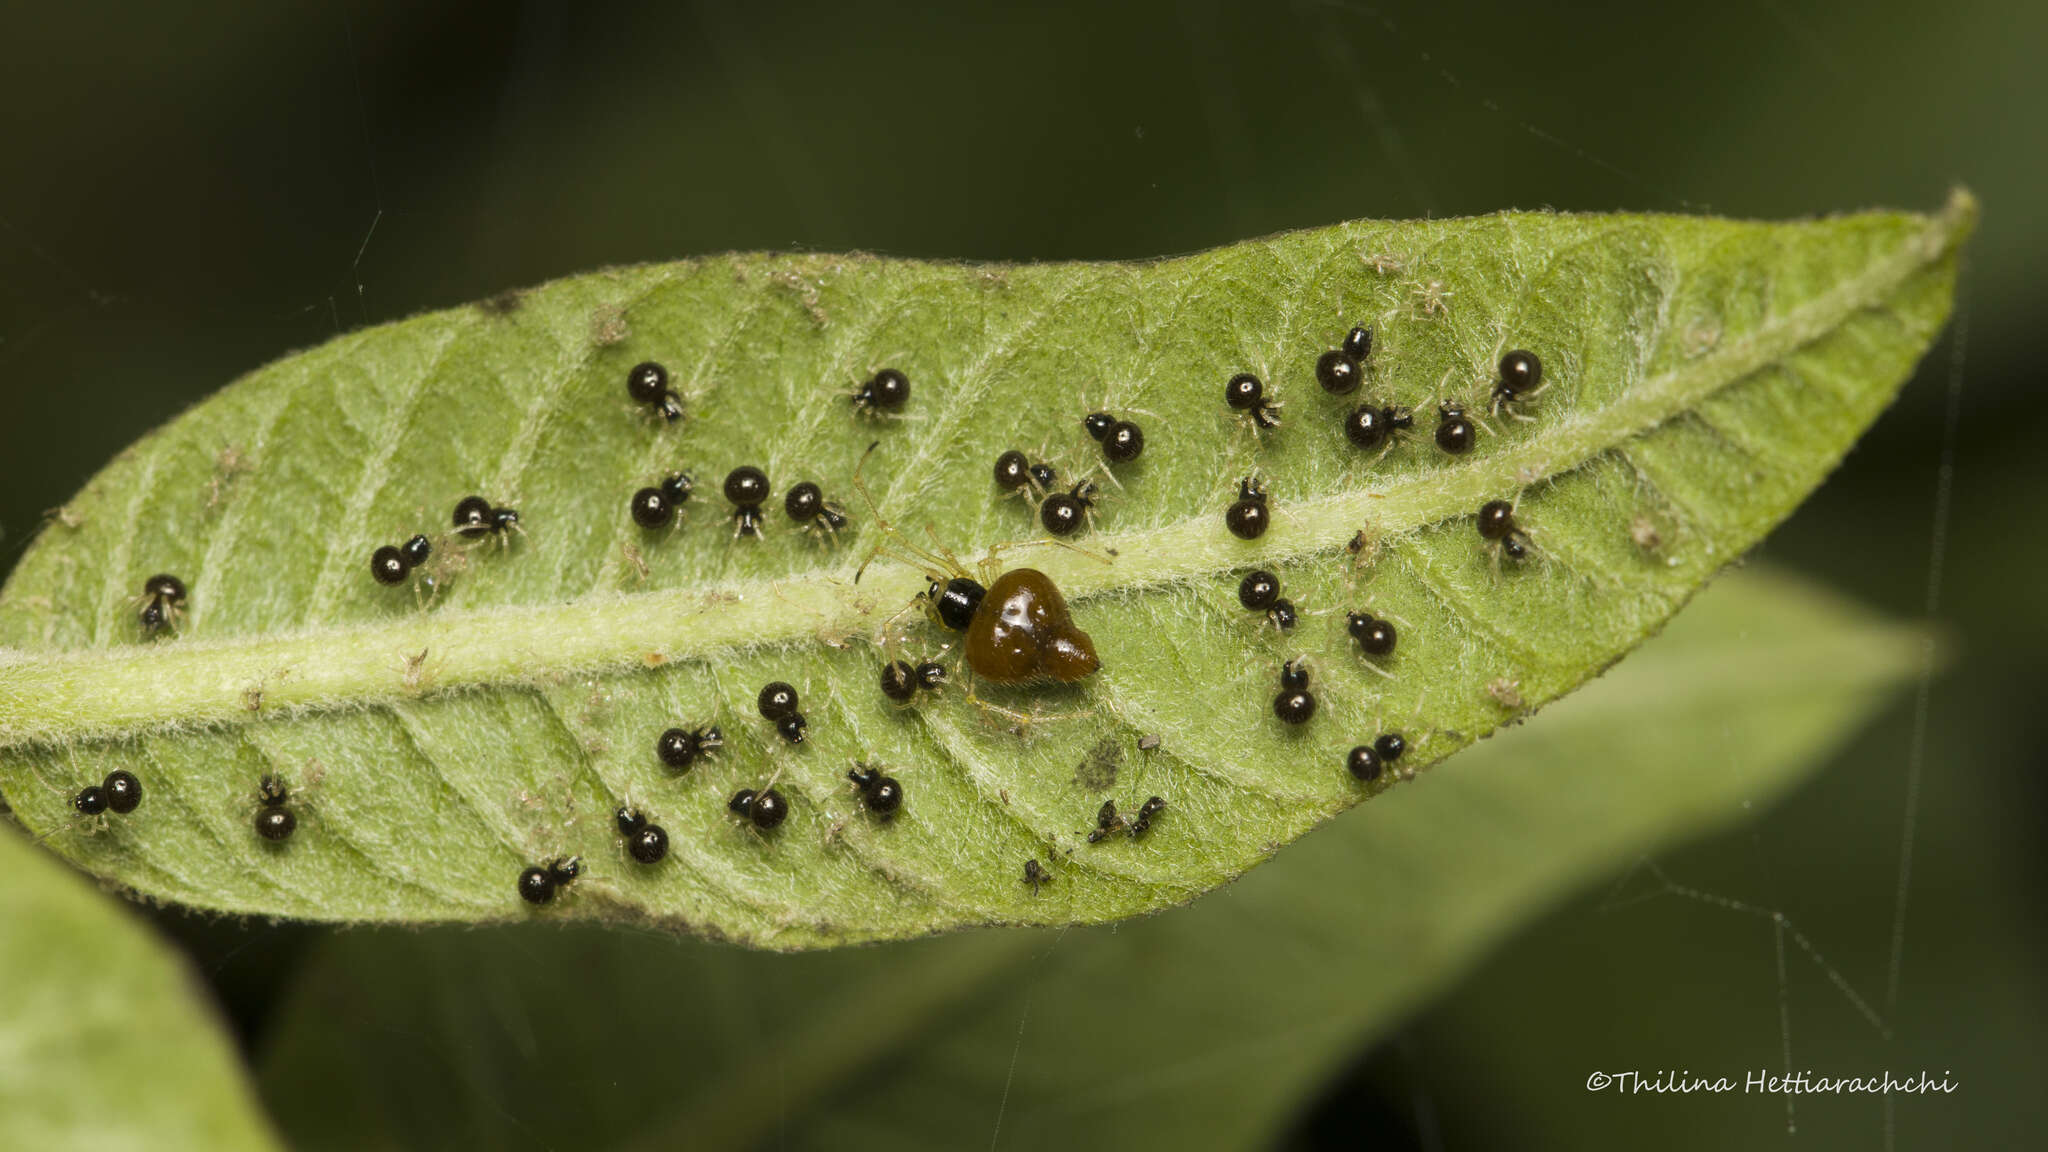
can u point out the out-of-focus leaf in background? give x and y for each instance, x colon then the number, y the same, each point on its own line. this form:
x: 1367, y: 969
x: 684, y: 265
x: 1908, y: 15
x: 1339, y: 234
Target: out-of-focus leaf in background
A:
x: 106, y: 1039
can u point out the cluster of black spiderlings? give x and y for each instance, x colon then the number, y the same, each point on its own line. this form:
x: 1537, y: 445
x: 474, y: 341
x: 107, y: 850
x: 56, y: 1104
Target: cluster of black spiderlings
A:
x: 1109, y: 822
x: 1342, y: 371
x: 747, y: 489
x: 1062, y: 510
x: 475, y: 518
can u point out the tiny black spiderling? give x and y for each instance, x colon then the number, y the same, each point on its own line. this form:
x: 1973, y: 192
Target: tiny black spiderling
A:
x: 1374, y: 635
x: 538, y: 883
x: 1246, y: 394
x: 648, y: 845
x: 1358, y: 343
x: 1248, y: 518
x: 274, y: 822
x: 271, y: 791
x: 388, y: 566
x: 1295, y: 703
x: 1012, y: 471
x: 1122, y: 440
x: 651, y: 509
x: 1363, y: 763
x: 1521, y: 377
x: 1124, y: 443
x: 163, y: 595
x: 1282, y: 615
x: 681, y: 749
x: 91, y: 800
x: 806, y: 504
x: 1496, y: 519
x: 1455, y: 431
x: 124, y: 791
x: 885, y: 797
x: 1370, y: 425
x: 646, y: 382
x: 901, y: 680
x: 1063, y: 513
x: 392, y: 564
x: 746, y: 487
x: 476, y: 516
x: 777, y: 700
x: 472, y: 516
x: 1498, y: 526
x: 1149, y: 811
x: 166, y: 587
x: 1107, y: 823
x: 1338, y: 372
x: 792, y: 727
x: 1390, y: 746
x: 881, y: 794
x: 536, y: 886
x: 1258, y: 590
x: 657, y: 506
x: 417, y: 550
x: 885, y: 391
x: 646, y: 842
x: 746, y: 484
x: 765, y: 809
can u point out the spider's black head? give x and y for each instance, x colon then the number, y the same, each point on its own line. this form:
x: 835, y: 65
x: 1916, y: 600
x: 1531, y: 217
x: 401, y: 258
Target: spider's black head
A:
x: 956, y: 601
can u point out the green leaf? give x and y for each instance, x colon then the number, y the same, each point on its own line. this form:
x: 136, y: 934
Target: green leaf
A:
x: 103, y: 1043
x: 1199, y: 1028
x: 1703, y: 376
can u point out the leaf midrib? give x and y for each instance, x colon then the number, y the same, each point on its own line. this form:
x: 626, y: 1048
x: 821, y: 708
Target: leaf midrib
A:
x: 104, y: 692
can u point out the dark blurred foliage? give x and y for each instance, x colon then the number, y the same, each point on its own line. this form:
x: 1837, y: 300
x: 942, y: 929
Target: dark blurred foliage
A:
x: 192, y: 190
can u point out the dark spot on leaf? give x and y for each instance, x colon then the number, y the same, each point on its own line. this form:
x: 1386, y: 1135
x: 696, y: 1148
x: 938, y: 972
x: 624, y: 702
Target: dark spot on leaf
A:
x: 503, y: 304
x: 1097, y: 770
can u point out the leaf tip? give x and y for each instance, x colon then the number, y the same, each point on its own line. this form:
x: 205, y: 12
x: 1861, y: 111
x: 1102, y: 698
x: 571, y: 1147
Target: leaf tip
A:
x: 1960, y: 213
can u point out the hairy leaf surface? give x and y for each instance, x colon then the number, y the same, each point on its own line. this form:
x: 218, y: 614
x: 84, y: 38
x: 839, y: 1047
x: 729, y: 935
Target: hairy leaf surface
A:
x: 1702, y: 376
x: 1199, y: 1029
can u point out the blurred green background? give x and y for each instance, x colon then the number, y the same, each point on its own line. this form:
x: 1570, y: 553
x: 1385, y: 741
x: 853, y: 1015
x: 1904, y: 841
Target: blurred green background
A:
x: 193, y: 190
